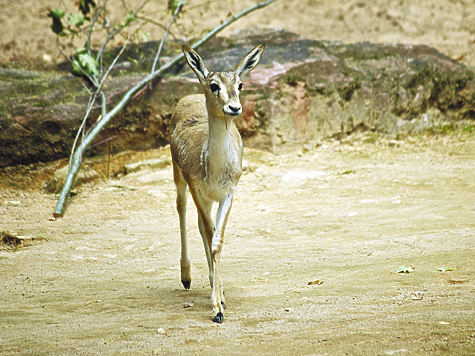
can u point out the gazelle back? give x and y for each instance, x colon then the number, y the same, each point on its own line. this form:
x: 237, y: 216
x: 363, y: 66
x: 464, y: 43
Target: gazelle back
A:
x: 207, y: 157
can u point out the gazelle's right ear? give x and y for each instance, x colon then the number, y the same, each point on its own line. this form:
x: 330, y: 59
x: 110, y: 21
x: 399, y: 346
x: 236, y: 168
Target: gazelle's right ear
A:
x: 196, y: 63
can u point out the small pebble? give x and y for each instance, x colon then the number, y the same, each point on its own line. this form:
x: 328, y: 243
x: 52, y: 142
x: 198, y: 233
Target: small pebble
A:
x: 161, y: 331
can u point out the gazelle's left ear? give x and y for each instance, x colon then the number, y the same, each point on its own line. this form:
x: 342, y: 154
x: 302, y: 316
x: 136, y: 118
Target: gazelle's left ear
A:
x: 250, y: 61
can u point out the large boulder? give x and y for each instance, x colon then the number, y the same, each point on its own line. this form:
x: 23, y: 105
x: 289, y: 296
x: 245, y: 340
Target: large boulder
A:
x: 302, y: 91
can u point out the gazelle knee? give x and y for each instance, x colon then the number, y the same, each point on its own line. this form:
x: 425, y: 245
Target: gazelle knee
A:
x: 216, y: 248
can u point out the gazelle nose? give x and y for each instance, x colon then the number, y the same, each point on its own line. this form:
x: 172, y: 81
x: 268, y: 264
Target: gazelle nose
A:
x: 233, y: 110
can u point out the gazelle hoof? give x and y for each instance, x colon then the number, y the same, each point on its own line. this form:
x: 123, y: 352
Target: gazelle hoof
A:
x: 223, y: 305
x: 218, y: 318
x: 186, y: 284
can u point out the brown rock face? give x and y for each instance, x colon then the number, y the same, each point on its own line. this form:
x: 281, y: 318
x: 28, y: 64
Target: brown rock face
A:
x: 301, y: 91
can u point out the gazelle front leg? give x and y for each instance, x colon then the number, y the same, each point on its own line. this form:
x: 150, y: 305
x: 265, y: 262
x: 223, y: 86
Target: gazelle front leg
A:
x: 206, y: 226
x: 207, y: 239
x: 217, y: 296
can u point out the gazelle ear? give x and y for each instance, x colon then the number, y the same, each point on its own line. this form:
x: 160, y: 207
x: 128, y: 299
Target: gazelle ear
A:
x: 196, y: 63
x: 250, y: 61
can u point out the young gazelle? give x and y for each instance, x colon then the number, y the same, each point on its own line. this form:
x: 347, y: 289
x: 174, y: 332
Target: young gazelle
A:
x: 207, y: 156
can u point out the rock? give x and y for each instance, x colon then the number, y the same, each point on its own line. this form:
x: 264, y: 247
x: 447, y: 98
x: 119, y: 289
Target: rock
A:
x: 86, y: 174
x: 257, y: 156
x: 157, y: 163
x: 341, y: 89
x: 161, y: 331
x: 302, y: 91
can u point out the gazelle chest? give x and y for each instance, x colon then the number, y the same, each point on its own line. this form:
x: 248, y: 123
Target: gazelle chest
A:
x: 223, y: 168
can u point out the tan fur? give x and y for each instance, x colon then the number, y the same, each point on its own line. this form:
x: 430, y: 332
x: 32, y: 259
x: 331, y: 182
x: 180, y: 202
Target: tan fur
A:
x: 207, y: 158
x: 189, y: 135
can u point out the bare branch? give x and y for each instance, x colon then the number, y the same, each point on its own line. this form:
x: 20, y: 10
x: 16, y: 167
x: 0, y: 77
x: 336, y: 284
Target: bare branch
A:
x: 58, y: 46
x: 166, y: 34
x: 104, y: 104
x: 65, y: 6
x: 113, y: 63
x: 91, y: 27
x: 116, y: 31
x: 90, y: 105
x: 105, y: 140
x: 101, y: 92
x: 141, y: 7
x: 92, y: 98
x: 153, y: 22
x: 125, y: 6
x: 229, y: 21
x: 208, y: 2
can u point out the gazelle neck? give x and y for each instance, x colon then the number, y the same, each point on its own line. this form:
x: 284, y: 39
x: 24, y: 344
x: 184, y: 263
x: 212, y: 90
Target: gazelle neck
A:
x: 220, y: 152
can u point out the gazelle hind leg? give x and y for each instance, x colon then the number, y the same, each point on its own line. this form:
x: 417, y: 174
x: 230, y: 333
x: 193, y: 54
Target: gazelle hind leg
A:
x: 207, y: 247
x: 185, y: 264
x: 221, y: 290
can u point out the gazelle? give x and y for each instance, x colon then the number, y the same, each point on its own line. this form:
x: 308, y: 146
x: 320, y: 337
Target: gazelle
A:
x: 207, y: 156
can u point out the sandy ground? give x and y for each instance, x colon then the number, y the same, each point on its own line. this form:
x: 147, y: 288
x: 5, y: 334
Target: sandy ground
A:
x: 105, y: 279
x: 447, y: 25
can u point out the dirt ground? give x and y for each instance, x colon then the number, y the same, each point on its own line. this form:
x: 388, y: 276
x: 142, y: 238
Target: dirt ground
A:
x: 447, y: 25
x: 105, y: 279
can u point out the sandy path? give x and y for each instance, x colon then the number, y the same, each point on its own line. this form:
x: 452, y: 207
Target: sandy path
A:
x: 105, y: 278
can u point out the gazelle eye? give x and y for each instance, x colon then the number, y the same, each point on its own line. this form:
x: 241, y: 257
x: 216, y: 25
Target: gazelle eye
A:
x: 214, y: 88
x: 240, y: 86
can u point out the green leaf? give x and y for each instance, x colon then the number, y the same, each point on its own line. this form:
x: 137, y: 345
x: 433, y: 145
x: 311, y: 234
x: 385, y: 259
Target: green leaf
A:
x: 144, y: 37
x: 88, y: 62
x: 77, y: 67
x: 404, y: 270
x: 85, y: 63
x: 56, y: 15
x: 85, y: 6
x: 75, y: 20
x: 172, y: 5
x: 445, y: 269
x: 130, y: 18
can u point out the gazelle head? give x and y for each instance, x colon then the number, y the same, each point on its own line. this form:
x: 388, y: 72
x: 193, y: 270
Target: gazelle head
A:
x: 222, y: 88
